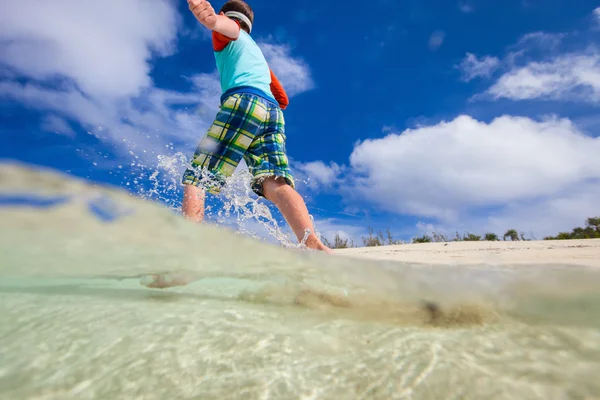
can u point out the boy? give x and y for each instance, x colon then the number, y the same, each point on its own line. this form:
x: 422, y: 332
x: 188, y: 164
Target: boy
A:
x: 249, y: 125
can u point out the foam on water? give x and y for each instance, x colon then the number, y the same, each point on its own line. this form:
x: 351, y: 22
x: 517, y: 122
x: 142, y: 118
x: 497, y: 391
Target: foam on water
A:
x: 264, y: 320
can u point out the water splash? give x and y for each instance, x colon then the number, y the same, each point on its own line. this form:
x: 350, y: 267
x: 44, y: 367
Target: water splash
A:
x: 236, y: 207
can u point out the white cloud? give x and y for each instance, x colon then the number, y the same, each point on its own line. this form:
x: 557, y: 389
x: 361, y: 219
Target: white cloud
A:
x: 330, y: 227
x: 536, y: 219
x: 597, y: 14
x: 317, y: 174
x: 90, y: 63
x: 103, y: 46
x: 436, y: 40
x: 547, y: 216
x: 52, y: 123
x: 539, y: 67
x: 567, y: 77
x: 539, y: 40
x: 465, y: 7
x: 293, y: 73
x: 71, y: 103
x: 473, y: 67
x: 145, y: 131
x: 537, y: 43
x: 451, y: 169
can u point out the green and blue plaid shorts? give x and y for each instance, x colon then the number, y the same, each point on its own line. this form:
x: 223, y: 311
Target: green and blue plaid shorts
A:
x: 249, y: 127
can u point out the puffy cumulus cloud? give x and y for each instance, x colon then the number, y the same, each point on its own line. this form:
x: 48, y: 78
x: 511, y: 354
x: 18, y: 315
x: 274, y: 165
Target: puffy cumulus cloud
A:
x: 88, y: 64
x: 528, y: 46
x: 535, y: 218
x: 317, y: 174
x: 473, y: 67
x: 567, y: 77
x: 537, y: 41
x: 52, y: 123
x: 597, y: 15
x: 293, y: 73
x: 542, y: 66
x: 548, y: 216
x: 436, y: 40
x: 104, y: 47
x: 453, y: 169
x: 153, y: 129
x: 465, y: 7
x: 539, y: 176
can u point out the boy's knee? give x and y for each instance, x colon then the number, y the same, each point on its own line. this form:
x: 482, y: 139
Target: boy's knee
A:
x: 271, y: 185
x: 192, y: 191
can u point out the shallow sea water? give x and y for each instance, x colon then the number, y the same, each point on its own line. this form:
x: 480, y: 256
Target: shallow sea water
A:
x: 264, y: 322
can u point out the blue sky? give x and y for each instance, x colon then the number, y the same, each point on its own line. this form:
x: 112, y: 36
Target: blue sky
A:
x: 417, y: 115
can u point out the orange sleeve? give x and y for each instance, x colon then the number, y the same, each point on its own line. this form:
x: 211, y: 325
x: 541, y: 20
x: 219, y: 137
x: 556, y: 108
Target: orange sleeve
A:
x: 279, y: 92
x: 221, y: 41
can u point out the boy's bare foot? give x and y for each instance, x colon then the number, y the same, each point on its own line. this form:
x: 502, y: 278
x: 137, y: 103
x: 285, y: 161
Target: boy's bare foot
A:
x: 327, y: 250
x: 294, y: 210
x: 314, y: 243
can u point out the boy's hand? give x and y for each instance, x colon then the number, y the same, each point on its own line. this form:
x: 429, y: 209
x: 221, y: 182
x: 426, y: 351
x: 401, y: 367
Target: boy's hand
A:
x: 204, y: 13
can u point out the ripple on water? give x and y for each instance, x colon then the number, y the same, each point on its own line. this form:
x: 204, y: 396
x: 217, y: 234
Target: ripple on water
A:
x: 105, y: 344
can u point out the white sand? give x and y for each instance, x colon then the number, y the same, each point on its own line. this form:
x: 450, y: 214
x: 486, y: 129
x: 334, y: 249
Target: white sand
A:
x: 568, y: 252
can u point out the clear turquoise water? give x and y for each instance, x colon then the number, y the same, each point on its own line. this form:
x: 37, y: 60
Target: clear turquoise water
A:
x: 262, y: 322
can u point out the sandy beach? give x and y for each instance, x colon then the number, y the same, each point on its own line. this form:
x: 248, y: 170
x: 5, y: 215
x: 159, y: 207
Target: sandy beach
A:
x: 584, y: 253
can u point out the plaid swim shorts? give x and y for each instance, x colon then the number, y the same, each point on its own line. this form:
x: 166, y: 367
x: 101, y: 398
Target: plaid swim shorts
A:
x: 249, y: 127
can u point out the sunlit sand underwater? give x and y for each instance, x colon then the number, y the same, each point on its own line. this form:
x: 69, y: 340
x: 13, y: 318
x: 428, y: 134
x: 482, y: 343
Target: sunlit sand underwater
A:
x: 262, y: 321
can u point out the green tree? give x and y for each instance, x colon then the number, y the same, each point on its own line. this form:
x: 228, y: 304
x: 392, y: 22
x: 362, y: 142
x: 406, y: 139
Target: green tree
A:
x: 422, y: 239
x: 373, y: 240
x: 440, y: 238
x: 593, y: 228
x: 338, y: 242
x: 512, y: 234
x: 491, y: 237
x: 390, y: 240
x: 560, y: 236
x: 591, y: 231
x: 522, y: 236
x: 469, y: 237
x: 594, y: 223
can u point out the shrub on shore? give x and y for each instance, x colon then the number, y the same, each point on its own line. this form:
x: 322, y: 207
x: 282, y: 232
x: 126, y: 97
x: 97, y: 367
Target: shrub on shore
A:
x: 591, y: 231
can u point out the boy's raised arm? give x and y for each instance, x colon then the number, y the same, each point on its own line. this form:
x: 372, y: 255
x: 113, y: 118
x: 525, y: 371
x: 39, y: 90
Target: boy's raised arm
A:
x: 205, y: 13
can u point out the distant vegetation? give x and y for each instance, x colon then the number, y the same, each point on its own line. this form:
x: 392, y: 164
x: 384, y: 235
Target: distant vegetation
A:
x: 591, y: 231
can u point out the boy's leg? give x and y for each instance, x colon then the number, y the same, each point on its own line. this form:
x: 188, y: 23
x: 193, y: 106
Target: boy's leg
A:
x: 193, y: 203
x: 294, y: 210
x: 193, y: 210
x: 266, y: 157
x: 220, y: 151
x: 217, y: 154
